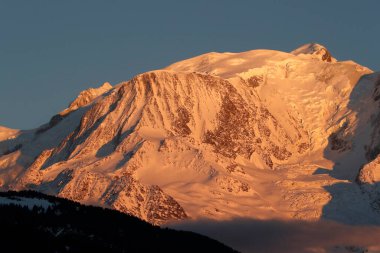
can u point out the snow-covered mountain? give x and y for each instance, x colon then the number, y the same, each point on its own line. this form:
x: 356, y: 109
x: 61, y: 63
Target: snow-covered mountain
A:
x: 261, y: 134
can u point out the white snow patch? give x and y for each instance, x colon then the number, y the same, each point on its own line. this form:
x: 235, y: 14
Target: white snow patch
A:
x: 26, y: 202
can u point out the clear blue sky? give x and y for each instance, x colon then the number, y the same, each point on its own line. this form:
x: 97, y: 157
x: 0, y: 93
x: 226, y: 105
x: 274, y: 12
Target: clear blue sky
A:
x: 51, y: 50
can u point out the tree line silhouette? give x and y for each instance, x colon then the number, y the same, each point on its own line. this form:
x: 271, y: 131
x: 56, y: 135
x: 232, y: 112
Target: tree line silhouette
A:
x: 67, y: 226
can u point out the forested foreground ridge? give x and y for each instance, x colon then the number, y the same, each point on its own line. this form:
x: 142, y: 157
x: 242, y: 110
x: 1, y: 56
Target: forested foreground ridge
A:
x: 35, y: 222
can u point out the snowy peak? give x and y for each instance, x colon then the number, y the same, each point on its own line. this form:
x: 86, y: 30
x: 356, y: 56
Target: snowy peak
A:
x: 254, y: 64
x: 86, y: 97
x: 6, y: 133
x: 315, y: 50
x: 220, y: 135
x: 230, y: 65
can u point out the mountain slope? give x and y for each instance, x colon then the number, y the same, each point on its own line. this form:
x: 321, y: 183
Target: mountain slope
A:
x: 29, y: 220
x: 262, y: 134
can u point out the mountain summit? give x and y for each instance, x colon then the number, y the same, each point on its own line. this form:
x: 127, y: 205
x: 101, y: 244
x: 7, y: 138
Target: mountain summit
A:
x: 316, y: 50
x: 260, y: 134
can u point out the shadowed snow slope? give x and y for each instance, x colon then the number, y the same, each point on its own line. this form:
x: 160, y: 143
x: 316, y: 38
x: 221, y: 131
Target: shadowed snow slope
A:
x: 260, y: 134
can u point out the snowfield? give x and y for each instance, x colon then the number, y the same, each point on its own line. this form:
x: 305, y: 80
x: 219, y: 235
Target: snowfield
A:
x: 260, y: 134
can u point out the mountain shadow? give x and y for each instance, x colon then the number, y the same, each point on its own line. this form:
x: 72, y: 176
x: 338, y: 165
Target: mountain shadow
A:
x: 31, y: 143
x: 350, y: 203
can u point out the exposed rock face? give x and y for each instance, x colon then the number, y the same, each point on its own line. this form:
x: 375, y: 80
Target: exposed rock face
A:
x: 122, y: 193
x: 370, y: 173
x: 220, y: 135
x: 316, y: 50
x: 244, y: 129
